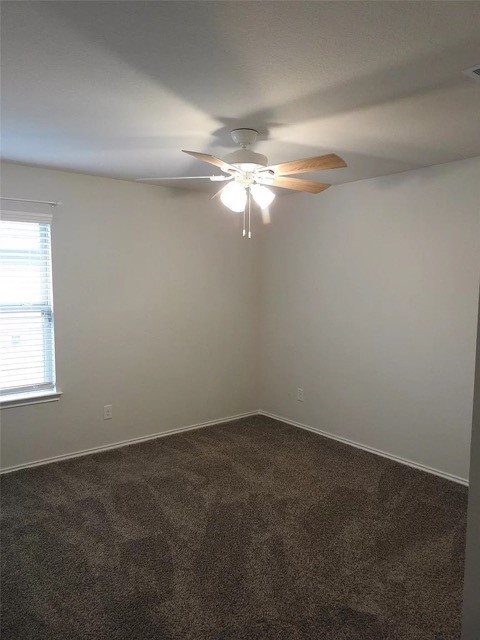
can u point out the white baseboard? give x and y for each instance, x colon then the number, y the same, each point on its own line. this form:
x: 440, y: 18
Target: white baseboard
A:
x: 378, y: 452
x: 124, y: 443
x: 326, y: 434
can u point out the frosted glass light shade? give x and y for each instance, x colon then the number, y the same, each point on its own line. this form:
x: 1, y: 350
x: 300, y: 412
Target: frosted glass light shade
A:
x: 234, y: 197
x: 262, y: 196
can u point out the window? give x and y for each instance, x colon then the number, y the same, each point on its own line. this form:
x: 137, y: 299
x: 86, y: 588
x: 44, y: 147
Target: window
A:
x: 27, y: 353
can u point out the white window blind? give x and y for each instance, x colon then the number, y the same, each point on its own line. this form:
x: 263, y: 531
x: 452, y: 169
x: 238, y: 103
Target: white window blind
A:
x: 27, y: 356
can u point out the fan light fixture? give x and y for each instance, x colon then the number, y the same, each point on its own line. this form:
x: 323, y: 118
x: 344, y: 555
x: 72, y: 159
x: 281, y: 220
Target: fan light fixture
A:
x: 234, y: 197
x: 262, y: 196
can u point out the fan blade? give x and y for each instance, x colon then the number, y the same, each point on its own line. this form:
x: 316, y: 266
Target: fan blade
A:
x: 217, y: 193
x: 330, y: 161
x: 308, y: 186
x: 266, y: 219
x: 224, y: 166
x: 212, y: 178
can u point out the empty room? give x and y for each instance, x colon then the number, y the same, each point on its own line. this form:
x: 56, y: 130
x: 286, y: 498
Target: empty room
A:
x: 239, y: 293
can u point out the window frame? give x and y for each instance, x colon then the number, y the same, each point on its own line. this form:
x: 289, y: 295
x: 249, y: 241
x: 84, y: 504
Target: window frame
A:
x: 45, y: 391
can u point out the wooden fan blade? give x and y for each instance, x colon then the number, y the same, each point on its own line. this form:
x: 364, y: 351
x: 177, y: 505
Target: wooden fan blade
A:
x: 266, y: 219
x: 217, y: 193
x: 224, y: 166
x: 308, y: 186
x: 330, y: 161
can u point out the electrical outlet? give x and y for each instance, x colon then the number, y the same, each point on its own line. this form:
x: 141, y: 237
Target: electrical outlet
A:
x: 300, y: 394
x: 107, y: 412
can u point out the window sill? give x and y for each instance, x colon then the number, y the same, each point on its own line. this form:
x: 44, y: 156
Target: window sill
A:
x: 23, y: 399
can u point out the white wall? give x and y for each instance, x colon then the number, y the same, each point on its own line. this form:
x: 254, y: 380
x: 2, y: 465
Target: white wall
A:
x: 155, y: 311
x: 471, y: 610
x: 366, y: 296
x: 369, y: 302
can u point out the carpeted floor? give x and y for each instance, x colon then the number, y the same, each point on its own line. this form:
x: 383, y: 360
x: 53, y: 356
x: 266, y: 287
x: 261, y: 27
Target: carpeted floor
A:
x: 253, y: 530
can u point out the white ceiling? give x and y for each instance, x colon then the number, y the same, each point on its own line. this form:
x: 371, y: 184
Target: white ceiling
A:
x: 118, y: 88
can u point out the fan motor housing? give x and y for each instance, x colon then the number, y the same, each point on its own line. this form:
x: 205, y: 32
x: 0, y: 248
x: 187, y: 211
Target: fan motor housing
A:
x: 246, y: 157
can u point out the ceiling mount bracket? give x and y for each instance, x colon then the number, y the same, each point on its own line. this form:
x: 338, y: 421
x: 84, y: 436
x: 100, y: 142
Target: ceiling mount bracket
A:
x: 244, y: 137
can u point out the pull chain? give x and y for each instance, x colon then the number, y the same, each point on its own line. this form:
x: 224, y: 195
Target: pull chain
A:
x: 244, y: 214
x: 249, y: 228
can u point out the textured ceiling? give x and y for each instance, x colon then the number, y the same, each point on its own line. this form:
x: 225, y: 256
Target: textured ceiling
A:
x: 118, y: 88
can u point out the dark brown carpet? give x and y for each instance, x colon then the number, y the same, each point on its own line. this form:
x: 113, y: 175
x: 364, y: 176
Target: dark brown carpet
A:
x: 253, y: 530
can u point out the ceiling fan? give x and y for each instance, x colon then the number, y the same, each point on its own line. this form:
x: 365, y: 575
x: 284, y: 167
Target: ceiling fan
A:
x: 249, y: 175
